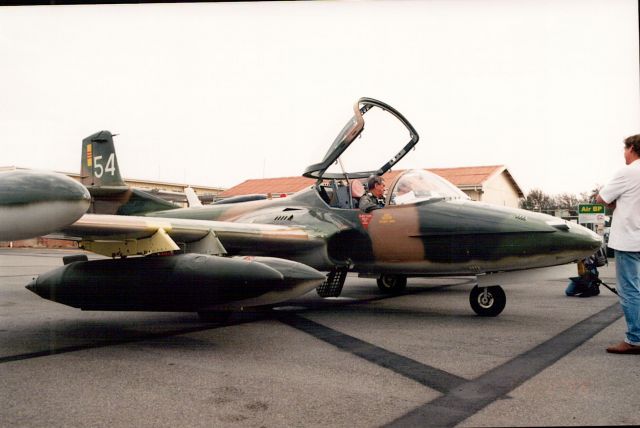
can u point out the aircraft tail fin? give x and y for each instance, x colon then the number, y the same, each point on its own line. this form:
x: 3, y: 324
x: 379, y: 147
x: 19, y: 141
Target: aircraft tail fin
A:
x: 99, y: 165
x: 100, y: 173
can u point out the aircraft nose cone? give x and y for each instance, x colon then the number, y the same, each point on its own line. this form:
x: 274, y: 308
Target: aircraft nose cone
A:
x: 577, y: 241
x: 44, y: 285
x: 33, y: 286
x: 590, y: 239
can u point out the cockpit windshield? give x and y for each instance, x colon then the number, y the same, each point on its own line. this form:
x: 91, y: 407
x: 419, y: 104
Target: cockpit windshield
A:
x: 418, y: 185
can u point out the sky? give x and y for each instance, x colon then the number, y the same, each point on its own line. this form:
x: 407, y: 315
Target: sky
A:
x: 216, y: 93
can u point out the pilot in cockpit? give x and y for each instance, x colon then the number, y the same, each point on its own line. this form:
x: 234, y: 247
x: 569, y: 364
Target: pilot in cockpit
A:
x: 403, y: 192
x: 374, y: 198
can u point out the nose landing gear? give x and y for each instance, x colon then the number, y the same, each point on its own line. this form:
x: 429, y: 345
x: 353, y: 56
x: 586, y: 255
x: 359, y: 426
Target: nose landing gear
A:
x: 487, y: 301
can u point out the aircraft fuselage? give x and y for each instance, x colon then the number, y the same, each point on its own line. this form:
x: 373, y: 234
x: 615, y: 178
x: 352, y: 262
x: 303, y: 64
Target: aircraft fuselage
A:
x: 429, y: 238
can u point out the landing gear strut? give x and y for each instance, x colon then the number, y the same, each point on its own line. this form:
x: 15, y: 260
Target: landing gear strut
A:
x: 487, y: 301
x: 392, y: 284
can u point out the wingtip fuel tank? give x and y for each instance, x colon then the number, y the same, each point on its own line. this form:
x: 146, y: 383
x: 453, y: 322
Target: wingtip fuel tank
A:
x: 35, y: 203
x: 186, y: 282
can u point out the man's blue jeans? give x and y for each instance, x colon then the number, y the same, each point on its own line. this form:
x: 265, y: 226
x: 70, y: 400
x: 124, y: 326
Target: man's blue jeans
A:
x: 628, y: 281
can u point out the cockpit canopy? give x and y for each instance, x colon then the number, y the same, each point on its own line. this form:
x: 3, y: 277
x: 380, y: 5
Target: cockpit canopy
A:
x: 418, y: 185
x: 348, y: 135
x: 412, y: 186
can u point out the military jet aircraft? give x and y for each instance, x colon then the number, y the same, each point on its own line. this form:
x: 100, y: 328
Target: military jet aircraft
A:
x: 34, y: 203
x: 427, y: 228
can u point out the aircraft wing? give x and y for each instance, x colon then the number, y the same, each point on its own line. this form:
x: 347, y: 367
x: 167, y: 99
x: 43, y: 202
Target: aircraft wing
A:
x: 114, y: 235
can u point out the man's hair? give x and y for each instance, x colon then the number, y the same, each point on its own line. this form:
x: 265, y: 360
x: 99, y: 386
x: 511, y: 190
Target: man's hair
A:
x: 634, y: 143
x: 373, y: 179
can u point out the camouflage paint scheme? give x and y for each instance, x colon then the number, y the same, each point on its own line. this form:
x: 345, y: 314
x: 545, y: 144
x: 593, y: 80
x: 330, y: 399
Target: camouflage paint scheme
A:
x: 433, y: 237
x: 34, y: 203
x: 443, y: 234
x: 100, y: 173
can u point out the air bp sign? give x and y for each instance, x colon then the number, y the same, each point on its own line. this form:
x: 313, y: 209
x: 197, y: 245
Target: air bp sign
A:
x: 591, y: 213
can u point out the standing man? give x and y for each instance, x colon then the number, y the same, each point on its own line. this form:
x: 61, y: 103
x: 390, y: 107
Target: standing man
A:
x: 374, y: 197
x: 622, y: 193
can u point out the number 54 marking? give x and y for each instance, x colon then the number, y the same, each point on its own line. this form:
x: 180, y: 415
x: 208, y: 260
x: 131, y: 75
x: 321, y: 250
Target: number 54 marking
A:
x: 99, y: 170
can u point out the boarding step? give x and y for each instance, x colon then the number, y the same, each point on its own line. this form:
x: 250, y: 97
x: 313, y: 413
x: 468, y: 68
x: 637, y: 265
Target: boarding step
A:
x: 332, y: 286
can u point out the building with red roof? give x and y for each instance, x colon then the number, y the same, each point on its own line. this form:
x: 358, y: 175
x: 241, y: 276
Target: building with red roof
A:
x: 492, y: 184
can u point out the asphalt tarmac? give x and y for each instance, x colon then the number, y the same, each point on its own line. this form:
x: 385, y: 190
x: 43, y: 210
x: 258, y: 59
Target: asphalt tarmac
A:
x: 361, y: 360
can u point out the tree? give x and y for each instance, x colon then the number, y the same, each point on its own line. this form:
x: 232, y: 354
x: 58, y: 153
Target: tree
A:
x: 566, y: 201
x: 537, y: 200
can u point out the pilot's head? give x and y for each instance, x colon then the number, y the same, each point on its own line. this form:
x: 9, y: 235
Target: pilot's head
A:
x: 375, y: 185
x: 403, y: 187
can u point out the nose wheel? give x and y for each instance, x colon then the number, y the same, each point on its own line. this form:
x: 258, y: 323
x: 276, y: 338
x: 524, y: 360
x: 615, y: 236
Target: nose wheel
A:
x: 487, y: 301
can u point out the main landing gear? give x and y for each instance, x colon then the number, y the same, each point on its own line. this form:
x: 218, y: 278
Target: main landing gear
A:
x: 392, y: 284
x: 487, y: 301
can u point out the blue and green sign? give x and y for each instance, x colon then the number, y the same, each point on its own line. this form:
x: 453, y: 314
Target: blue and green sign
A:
x: 591, y: 213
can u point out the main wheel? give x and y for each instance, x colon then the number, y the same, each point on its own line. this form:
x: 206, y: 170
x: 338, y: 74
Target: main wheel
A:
x: 487, y: 301
x: 392, y: 284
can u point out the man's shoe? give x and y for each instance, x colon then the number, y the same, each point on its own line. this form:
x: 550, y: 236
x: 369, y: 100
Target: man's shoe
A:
x: 624, y: 348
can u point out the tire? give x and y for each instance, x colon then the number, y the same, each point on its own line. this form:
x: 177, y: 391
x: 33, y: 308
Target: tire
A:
x: 489, y: 305
x: 392, y: 284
